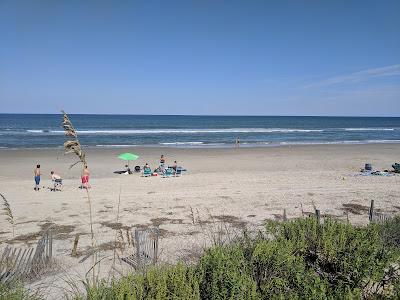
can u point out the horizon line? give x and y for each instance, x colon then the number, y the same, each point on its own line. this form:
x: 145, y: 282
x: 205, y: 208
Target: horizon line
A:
x: 201, y: 115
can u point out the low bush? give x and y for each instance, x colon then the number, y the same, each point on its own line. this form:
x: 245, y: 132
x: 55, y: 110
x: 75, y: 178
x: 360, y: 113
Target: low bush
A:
x: 169, y: 282
x: 301, y: 259
x: 224, y: 273
x: 390, y: 232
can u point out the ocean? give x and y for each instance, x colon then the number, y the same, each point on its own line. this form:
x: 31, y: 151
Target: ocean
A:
x: 45, y: 131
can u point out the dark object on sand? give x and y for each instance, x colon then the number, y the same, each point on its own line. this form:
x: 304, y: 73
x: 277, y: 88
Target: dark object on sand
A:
x: 368, y: 167
x: 396, y: 167
x: 123, y: 172
x: 137, y: 169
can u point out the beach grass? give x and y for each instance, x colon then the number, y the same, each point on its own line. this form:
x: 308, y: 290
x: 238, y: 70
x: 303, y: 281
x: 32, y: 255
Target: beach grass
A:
x: 8, y: 213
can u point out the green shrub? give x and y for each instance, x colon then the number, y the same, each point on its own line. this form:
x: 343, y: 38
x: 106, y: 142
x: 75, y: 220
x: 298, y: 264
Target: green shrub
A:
x: 343, y: 256
x: 280, y: 273
x: 390, y: 232
x: 224, y: 273
x: 170, y: 282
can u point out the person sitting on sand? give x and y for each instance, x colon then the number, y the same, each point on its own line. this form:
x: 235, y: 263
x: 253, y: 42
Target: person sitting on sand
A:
x: 85, y: 177
x: 146, y: 167
x: 127, y: 170
x: 37, y: 174
x: 56, y: 180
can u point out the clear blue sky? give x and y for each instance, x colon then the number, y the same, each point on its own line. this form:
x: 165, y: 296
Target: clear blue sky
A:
x: 201, y: 57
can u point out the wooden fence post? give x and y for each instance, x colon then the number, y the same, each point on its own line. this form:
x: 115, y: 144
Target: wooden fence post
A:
x: 137, y: 244
x: 74, y: 252
x: 318, y: 215
x: 284, y: 215
x: 371, y: 211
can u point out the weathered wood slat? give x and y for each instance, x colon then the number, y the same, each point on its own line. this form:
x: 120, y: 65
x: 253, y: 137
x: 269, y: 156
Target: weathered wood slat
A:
x: 146, y: 244
x: 19, y: 263
x: 380, y: 217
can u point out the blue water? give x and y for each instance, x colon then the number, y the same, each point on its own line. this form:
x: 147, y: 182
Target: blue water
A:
x: 37, y: 131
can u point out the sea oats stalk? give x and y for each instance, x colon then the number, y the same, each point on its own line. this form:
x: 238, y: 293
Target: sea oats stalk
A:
x: 72, y: 145
x: 8, y: 213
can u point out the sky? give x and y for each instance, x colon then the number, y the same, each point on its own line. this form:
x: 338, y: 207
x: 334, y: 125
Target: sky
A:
x: 330, y: 58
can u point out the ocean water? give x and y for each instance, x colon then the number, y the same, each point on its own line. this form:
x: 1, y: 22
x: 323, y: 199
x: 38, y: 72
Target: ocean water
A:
x: 45, y: 131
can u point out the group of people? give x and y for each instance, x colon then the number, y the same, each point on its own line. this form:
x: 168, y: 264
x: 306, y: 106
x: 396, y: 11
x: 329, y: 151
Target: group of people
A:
x: 57, y: 180
x: 162, y: 166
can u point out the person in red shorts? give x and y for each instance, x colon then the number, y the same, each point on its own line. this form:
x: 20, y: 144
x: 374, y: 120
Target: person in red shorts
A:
x: 85, y: 177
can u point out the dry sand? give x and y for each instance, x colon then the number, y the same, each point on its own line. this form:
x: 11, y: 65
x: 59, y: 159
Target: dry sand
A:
x: 236, y: 186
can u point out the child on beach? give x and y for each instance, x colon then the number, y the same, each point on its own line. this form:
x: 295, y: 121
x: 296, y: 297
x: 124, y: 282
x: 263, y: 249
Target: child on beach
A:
x: 57, y: 181
x: 37, y: 174
x: 175, y: 165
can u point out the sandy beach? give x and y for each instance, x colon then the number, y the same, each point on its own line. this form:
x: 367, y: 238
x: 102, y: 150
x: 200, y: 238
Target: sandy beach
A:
x: 234, y: 187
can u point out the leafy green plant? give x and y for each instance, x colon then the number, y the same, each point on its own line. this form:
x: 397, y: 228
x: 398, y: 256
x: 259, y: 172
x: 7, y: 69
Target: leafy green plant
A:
x: 224, y: 273
x: 169, y: 282
x: 390, y: 232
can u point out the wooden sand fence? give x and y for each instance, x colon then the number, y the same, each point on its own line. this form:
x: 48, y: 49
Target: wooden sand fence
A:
x: 373, y: 215
x: 22, y: 263
x: 377, y: 217
x: 146, y: 248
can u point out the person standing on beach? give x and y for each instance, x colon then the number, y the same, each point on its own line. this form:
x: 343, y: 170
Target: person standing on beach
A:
x: 237, y: 143
x: 85, y: 177
x: 37, y: 174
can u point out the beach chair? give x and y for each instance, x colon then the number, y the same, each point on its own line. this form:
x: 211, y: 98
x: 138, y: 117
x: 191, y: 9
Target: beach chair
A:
x: 146, y: 172
x: 169, y: 172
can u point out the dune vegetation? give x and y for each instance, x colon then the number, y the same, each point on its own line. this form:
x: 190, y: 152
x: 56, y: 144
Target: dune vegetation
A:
x: 299, y: 259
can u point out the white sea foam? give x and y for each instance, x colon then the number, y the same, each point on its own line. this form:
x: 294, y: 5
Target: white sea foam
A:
x: 191, y: 131
x: 357, y: 142
x: 115, y: 146
x: 383, y: 141
x: 182, y: 143
x: 35, y: 131
x: 369, y: 129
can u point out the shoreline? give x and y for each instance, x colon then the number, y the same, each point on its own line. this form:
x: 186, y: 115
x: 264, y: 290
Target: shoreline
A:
x: 195, y: 145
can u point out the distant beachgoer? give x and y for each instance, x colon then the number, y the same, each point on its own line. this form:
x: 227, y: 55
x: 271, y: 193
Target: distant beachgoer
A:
x: 175, y: 165
x: 55, y: 176
x: 127, y: 169
x: 162, y: 161
x: 37, y: 174
x: 85, y: 177
x: 237, y: 143
x: 146, y: 167
x: 57, y: 181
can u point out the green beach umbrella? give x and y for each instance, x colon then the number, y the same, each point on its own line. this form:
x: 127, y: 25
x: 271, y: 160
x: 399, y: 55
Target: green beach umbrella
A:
x: 128, y: 156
